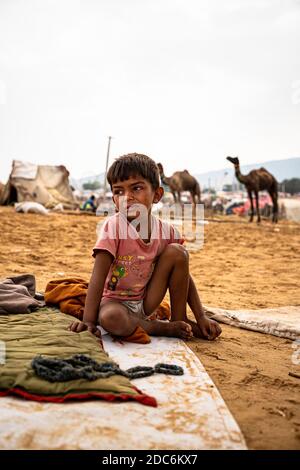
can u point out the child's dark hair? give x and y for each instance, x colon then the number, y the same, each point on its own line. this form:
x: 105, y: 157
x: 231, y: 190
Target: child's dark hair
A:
x: 134, y: 164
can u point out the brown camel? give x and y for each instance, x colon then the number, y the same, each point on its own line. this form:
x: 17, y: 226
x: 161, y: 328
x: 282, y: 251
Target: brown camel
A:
x: 255, y: 181
x: 181, y: 181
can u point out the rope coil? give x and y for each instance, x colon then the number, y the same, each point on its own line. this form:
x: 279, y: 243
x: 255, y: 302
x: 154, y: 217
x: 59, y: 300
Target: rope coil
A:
x: 80, y: 366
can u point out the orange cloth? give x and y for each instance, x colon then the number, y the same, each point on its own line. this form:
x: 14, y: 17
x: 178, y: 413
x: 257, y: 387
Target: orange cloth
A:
x: 138, y: 336
x: 163, y: 312
x: 70, y: 295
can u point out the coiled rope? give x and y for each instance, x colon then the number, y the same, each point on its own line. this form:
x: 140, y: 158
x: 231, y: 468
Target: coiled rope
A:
x: 80, y: 366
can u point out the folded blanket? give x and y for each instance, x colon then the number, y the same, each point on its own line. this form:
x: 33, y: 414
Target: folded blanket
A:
x: 17, y: 294
x: 45, y: 333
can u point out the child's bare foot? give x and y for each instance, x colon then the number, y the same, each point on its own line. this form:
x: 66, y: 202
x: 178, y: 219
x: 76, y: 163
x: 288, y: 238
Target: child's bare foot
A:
x: 177, y: 329
x: 207, y: 329
x: 180, y: 329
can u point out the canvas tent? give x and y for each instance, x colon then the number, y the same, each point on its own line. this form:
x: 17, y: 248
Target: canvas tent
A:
x: 48, y: 185
x: 290, y: 208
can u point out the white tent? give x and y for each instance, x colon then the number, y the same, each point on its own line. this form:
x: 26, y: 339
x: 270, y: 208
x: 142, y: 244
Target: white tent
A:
x: 48, y: 185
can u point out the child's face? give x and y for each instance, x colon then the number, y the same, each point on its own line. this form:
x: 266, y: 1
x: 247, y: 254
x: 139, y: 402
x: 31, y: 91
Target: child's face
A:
x: 135, y: 190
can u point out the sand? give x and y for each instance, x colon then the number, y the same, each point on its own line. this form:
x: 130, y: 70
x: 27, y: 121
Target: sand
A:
x: 241, y: 265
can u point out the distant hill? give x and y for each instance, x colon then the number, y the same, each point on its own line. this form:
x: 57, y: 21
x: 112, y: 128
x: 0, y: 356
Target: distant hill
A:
x: 281, y: 169
x: 77, y: 183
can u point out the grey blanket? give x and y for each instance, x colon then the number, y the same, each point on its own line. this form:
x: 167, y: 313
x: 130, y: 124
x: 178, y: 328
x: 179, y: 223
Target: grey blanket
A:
x: 17, y: 294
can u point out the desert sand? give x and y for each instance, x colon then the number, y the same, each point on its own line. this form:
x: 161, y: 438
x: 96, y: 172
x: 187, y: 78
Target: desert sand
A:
x: 241, y: 265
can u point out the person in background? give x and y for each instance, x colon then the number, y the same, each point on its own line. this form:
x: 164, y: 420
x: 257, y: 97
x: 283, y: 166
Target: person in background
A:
x: 90, y: 205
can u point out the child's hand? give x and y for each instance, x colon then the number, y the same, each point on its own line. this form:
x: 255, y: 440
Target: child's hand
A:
x: 210, y: 329
x: 78, y: 326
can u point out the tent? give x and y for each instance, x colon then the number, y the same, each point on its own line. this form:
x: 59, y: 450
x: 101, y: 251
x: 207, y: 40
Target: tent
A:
x: 290, y: 208
x: 48, y: 185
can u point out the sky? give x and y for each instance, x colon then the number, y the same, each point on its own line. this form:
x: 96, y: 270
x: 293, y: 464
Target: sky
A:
x: 186, y: 82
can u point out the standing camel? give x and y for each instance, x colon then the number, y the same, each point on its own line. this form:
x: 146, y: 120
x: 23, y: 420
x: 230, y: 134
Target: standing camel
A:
x: 255, y: 181
x: 181, y: 181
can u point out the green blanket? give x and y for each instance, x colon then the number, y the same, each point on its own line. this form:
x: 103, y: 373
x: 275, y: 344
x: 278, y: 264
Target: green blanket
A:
x: 46, y: 333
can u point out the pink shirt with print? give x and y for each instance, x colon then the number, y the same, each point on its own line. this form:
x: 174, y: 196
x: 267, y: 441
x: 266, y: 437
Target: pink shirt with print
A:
x: 134, y: 260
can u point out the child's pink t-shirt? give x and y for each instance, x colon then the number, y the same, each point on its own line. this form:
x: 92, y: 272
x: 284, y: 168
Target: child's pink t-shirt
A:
x: 134, y: 260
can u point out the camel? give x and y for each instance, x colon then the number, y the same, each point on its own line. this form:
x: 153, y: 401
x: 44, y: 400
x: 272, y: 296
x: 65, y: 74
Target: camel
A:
x: 181, y: 181
x: 255, y: 181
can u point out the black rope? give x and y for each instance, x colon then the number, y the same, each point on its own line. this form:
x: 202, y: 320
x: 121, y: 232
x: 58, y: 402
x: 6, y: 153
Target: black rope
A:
x: 84, y: 367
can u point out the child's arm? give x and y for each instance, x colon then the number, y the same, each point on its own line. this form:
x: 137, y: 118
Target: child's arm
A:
x: 102, y: 265
x: 96, y: 285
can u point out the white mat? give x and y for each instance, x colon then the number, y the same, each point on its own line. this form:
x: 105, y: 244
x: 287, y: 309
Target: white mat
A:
x: 280, y: 321
x: 190, y: 415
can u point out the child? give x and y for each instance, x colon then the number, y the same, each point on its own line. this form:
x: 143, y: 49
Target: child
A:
x: 137, y: 258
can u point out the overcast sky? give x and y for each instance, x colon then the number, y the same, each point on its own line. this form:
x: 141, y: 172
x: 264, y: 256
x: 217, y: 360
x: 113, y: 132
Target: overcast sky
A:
x: 186, y: 82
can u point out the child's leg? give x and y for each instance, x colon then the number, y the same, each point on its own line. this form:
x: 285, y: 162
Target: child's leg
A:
x: 115, y: 318
x: 171, y: 271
